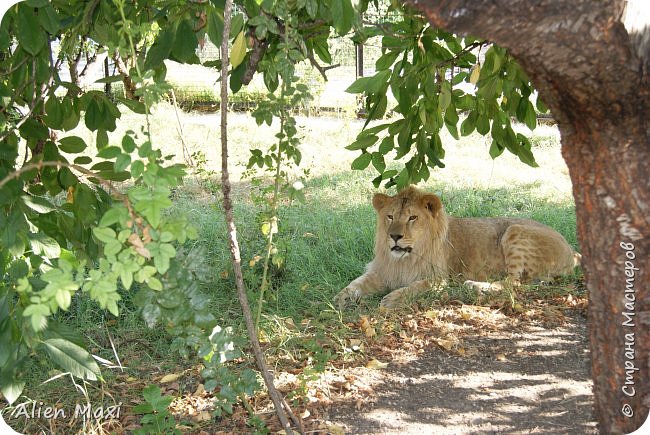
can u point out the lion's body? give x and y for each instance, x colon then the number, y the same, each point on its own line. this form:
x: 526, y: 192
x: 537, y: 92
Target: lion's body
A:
x: 417, y: 243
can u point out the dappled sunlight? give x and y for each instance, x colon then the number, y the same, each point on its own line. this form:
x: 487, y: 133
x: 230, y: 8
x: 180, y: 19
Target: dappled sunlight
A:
x: 522, y: 377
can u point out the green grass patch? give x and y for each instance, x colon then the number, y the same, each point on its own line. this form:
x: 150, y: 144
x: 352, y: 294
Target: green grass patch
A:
x: 326, y: 243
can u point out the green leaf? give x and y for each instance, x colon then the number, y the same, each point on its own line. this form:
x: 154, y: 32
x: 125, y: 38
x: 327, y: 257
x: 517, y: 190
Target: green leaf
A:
x: 362, y: 143
x: 370, y: 85
x: 215, y: 26
x: 342, y: 15
x: 38, y: 204
x: 386, y: 145
x: 378, y: 162
x: 113, y: 215
x: 109, y: 152
x: 137, y: 168
x: 531, y: 116
x: 322, y: 50
x: 54, y: 113
x: 185, y: 43
x: 37, y: 314
x: 72, y: 358
x: 311, y: 6
x: 154, y: 284
x: 11, y: 388
x: 468, y: 125
x: 110, y: 79
x: 72, y: 144
x: 28, y: 31
x: 83, y: 160
x: 387, y: 60
x: 445, y: 96
x: 49, y: 20
x: 238, y: 50
x: 150, y: 203
x: 161, y: 49
x: 44, y: 246
x: 362, y: 161
x: 104, y: 234
x: 162, y: 253
x: 134, y: 105
x: 128, y: 144
x: 94, y: 114
x: 236, y: 25
x: 122, y: 162
x: 483, y: 124
x: 496, y: 149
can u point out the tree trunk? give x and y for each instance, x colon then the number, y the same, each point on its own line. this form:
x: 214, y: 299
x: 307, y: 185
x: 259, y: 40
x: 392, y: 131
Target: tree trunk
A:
x: 592, y: 73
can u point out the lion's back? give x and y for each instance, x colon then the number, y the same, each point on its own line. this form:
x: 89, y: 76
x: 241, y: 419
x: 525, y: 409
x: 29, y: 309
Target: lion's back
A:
x: 478, y: 246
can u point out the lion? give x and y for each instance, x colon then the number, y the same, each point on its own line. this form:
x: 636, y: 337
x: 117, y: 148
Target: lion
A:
x: 417, y: 244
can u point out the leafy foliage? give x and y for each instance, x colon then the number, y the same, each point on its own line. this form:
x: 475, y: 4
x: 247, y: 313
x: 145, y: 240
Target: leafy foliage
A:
x: 423, y: 68
x: 68, y: 230
x: 156, y: 417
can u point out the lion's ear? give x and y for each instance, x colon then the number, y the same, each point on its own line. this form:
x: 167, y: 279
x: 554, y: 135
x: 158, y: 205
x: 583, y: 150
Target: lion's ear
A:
x: 380, y: 200
x: 432, y: 203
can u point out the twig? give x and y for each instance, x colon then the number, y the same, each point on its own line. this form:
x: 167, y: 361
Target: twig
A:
x: 186, y: 153
x: 321, y: 69
x: 59, y: 164
x: 35, y: 99
x: 232, y: 230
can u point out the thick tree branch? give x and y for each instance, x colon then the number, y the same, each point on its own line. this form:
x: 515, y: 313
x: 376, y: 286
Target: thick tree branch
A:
x: 554, y: 41
x: 129, y: 86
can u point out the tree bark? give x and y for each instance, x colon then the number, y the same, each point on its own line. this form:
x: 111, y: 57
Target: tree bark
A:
x: 592, y: 72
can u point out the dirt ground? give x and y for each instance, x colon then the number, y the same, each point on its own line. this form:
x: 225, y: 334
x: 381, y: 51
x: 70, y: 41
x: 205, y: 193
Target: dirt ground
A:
x: 523, y: 379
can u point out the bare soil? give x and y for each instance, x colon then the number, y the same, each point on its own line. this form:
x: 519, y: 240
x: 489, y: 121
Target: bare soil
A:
x: 525, y: 378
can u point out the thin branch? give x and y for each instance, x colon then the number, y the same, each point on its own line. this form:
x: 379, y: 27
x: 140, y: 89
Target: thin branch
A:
x: 59, y: 164
x: 232, y: 231
x: 179, y: 127
x: 321, y: 69
x: 35, y: 99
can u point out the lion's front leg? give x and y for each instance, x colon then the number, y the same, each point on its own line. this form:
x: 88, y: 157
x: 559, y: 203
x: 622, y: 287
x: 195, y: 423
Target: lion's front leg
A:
x: 401, y: 295
x: 366, y: 284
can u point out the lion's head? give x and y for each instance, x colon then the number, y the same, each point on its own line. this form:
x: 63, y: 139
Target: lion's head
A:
x: 409, y: 224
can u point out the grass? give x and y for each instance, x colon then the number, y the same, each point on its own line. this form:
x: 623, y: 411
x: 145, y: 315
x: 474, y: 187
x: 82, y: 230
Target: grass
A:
x: 326, y: 241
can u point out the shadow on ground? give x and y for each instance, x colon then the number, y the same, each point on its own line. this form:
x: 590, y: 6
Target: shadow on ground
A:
x: 530, y: 380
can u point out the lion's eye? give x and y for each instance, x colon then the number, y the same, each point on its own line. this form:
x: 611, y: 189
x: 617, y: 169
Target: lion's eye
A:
x: 412, y: 218
x: 390, y: 217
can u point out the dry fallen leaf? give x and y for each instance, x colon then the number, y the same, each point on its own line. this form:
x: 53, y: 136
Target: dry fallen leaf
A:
x: 445, y: 344
x: 355, y: 342
x: 366, y: 327
x: 376, y: 364
x: 170, y: 378
x: 431, y: 314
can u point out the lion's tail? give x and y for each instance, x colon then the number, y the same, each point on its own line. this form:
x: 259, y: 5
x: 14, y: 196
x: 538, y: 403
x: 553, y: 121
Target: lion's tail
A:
x: 577, y: 257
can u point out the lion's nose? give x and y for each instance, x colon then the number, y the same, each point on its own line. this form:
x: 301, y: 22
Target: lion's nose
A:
x: 396, y: 237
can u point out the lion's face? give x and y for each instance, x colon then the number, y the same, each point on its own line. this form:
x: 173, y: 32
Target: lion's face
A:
x: 404, y: 221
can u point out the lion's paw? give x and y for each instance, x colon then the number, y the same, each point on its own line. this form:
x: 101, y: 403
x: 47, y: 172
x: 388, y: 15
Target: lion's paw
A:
x: 393, y: 299
x: 483, y: 287
x: 347, y: 295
